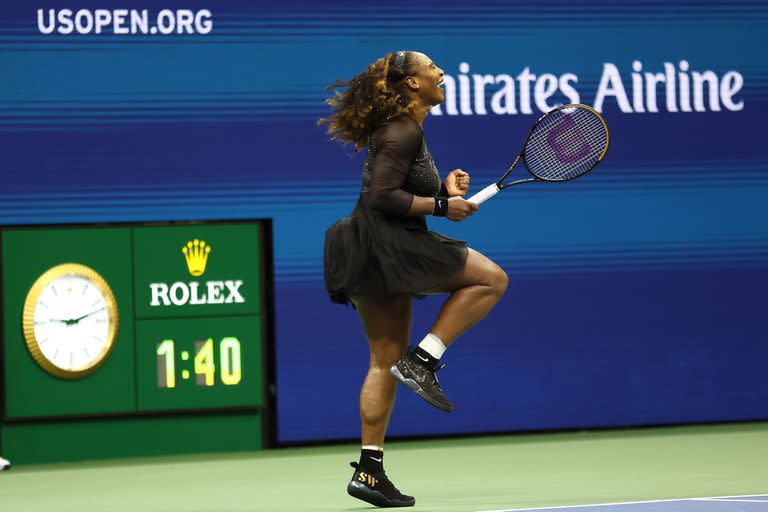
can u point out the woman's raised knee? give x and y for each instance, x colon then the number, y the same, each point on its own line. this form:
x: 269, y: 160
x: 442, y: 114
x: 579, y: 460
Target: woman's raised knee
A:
x: 498, y: 280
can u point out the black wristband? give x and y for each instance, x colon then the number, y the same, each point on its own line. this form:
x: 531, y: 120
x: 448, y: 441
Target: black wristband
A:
x: 441, y: 206
x: 443, y: 190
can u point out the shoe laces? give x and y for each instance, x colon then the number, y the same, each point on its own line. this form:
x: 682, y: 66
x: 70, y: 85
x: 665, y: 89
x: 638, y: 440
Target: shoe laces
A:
x: 434, y: 374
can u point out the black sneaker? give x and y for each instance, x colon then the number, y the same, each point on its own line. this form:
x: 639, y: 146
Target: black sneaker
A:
x: 422, y: 379
x: 376, y: 489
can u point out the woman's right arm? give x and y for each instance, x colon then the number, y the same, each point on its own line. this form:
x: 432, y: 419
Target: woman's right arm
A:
x: 398, y: 147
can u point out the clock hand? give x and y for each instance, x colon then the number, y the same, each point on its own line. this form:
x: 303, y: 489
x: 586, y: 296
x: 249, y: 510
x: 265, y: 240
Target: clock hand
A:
x: 77, y: 320
x: 73, y: 321
x: 65, y: 322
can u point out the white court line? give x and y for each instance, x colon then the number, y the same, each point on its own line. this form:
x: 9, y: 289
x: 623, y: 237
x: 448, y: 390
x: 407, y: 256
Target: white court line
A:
x: 712, y: 498
x: 730, y: 499
x: 737, y: 496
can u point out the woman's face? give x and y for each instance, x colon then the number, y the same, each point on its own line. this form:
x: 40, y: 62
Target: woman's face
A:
x: 424, y: 82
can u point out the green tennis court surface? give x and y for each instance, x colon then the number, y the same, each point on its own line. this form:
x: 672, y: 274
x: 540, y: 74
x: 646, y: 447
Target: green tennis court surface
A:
x: 492, y: 473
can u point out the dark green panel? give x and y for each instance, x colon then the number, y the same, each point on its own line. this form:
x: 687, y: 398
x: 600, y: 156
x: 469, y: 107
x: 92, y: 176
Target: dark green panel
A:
x: 232, y: 263
x: 169, y: 378
x: 130, y: 437
x: 30, y: 391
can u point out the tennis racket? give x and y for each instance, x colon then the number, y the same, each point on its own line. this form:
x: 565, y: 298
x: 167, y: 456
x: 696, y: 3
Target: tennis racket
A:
x: 564, y: 144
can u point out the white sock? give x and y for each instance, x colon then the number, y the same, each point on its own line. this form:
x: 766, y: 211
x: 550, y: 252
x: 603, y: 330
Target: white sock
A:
x: 433, y: 346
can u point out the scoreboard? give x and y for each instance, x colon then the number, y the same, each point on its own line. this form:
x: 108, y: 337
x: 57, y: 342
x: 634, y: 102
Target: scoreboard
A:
x: 134, y: 320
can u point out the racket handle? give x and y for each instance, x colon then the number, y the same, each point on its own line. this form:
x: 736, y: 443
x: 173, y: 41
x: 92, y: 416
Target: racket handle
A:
x: 485, y: 194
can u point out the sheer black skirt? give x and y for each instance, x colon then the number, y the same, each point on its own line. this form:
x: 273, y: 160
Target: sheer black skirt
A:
x: 371, y: 254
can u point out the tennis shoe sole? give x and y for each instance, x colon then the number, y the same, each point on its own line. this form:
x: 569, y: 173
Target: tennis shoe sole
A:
x: 361, y: 492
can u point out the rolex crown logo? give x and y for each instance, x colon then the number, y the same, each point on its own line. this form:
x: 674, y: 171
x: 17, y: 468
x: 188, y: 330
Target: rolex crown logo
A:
x: 196, y: 253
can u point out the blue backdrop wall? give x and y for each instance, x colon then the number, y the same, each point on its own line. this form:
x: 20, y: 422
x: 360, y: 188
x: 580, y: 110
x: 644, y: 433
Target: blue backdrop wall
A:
x: 637, y: 294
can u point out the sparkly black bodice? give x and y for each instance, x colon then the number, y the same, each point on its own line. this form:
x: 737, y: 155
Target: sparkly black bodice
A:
x: 423, y: 178
x: 397, y: 168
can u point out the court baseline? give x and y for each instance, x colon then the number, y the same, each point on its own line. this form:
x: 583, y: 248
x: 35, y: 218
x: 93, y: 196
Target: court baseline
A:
x: 744, y: 503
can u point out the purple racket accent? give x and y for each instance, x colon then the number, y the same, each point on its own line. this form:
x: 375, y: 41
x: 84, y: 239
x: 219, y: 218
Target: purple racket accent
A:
x: 564, y: 150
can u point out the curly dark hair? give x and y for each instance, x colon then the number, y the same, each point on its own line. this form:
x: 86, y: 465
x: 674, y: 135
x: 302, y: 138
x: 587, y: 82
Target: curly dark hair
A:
x: 374, y: 96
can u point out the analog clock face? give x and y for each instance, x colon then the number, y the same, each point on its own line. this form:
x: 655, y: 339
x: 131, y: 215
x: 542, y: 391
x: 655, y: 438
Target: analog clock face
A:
x: 70, y: 320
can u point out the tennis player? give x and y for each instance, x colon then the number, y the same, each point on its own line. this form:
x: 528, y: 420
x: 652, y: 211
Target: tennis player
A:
x: 383, y: 254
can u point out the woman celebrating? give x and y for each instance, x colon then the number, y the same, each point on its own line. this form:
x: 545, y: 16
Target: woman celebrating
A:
x: 382, y: 255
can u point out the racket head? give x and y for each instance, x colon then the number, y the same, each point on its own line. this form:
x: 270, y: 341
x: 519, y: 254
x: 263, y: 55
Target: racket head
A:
x: 566, y: 143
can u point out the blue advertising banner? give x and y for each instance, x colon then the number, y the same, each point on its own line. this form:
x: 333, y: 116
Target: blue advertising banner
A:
x: 637, y: 294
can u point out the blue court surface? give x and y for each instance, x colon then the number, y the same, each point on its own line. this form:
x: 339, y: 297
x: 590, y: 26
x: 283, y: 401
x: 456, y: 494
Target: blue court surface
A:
x: 746, y: 503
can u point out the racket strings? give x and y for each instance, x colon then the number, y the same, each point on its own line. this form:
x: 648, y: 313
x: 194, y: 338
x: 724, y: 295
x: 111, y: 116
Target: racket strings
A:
x: 568, y: 154
x: 566, y: 144
x: 573, y: 142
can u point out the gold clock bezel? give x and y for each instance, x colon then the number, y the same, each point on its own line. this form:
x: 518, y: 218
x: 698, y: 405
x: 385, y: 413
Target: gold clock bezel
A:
x: 28, y: 318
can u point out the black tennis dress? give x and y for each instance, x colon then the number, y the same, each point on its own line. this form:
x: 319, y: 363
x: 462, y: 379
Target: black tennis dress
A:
x: 379, y: 250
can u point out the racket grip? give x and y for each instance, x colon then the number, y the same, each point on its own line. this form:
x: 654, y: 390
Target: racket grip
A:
x: 485, y: 194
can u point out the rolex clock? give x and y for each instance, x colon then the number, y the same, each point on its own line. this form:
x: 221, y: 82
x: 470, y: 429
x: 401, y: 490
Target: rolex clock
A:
x: 70, y: 321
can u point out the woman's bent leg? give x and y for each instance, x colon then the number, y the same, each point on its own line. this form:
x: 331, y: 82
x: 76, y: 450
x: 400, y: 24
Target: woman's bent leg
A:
x: 474, y: 291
